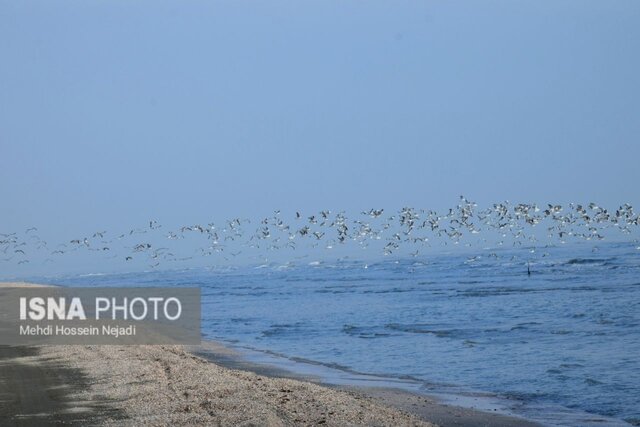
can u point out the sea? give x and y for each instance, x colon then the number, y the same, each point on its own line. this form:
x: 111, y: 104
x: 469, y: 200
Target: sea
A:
x: 552, y: 337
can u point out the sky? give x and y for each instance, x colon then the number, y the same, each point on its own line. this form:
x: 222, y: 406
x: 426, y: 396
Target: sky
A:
x: 116, y: 112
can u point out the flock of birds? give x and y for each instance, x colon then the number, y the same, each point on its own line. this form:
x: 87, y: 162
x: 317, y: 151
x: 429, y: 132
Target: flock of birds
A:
x: 408, y: 229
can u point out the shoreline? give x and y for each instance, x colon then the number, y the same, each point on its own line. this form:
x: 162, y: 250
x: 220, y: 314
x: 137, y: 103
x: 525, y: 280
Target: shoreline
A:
x: 169, y: 385
x: 206, y: 384
x: 427, y: 407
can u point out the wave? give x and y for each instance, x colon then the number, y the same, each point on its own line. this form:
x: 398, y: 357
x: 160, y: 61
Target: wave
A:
x: 364, y: 332
x: 582, y: 261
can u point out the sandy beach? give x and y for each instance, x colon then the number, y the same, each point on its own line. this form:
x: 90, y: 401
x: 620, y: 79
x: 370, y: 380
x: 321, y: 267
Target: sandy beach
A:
x: 168, y: 385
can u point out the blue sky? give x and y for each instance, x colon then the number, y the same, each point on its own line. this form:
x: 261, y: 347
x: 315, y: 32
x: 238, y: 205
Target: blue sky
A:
x: 115, y: 112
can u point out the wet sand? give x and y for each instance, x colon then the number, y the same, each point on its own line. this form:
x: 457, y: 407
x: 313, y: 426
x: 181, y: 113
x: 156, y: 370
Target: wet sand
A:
x: 37, y: 390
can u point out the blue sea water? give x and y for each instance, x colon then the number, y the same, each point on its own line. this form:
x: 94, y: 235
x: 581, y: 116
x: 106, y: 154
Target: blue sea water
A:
x: 556, y: 346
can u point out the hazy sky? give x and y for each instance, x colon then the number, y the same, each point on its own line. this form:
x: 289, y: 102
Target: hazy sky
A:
x: 115, y: 112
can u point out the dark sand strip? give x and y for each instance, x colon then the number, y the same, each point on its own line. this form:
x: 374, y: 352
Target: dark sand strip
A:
x: 441, y: 414
x: 36, y: 391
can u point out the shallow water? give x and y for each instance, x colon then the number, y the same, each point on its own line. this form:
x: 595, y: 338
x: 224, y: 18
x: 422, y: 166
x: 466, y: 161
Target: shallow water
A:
x: 565, y: 339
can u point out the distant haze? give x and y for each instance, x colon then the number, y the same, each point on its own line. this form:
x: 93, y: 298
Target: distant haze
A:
x: 113, y: 113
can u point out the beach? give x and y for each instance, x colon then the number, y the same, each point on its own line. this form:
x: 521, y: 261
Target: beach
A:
x: 168, y: 385
x: 320, y: 213
x: 196, y: 385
